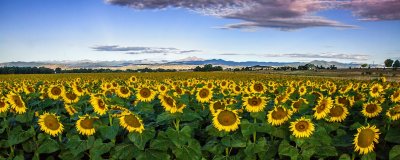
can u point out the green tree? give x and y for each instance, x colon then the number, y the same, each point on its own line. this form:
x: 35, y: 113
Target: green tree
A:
x: 396, y: 64
x: 364, y: 65
x: 388, y: 63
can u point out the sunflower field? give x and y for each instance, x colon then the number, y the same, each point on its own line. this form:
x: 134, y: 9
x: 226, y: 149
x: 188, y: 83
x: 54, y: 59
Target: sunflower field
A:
x: 197, y: 116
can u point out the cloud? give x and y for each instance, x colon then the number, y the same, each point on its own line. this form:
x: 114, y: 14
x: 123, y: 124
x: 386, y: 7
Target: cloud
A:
x: 142, y: 50
x: 373, y: 10
x: 359, y: 57
x: 279, y: 14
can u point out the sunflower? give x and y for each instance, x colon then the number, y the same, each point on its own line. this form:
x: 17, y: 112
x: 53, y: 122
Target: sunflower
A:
x: 133, y: 79
x: 226, y: 120
x: 297, y: 104
x: 255, y: 103
x: 371, y: 109
x: 204, y: 94
x: 395, y: 97
x: 278, y: 116
x: 99, y: 106
x: 70, y: 110
x: 258, y: 87
x: 162, y: 89
x: 50, y: 124
x: 3, y: 106
x: 281, y: 99
x: 394, y: 113
x: 123, y: 92
x: 344, y: 100
x: 365, y: 138
x: 16, y: 103
x: 84, y: 125
x: 302, y: 90
x: 338, y: 113
x: 131, y: 122
x: 217, y: 105
x: 236, y: 89
x: 145, y: 94
x: 302, y: 127
x: 375, y: 90
x: 166, y: 101
x: 69, y: 97
x: 323, y: 107
x: 28, y: 89
x: 55, y: 91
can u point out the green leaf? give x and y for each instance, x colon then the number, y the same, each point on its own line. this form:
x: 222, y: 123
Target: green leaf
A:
x: 153, y: 155
x: 25, y: 118
x: 393, y: 135
x: 280, y: 132
x: 100, y: 148
x: 190, y: 115
x: 235, y: 140
x: 140, y: 139
x: 344, y: 157
x: 394, y: 153
x: 108, y: 132
x: 326, y: 151
x: 67, y: 155
x: 191, y: 151
x: 179, y: 138
x: 77, y: 146
x: 254, y: 148
x: 286, y: 149
x: 247, y: 128
x: 165, y: 117
x: 369, y: 156
x: 18, y: 135
x: 161, y: 143
x: 214, y: 146
x: 28, y: 146
x: 124, y: 151
x: 48, y: 146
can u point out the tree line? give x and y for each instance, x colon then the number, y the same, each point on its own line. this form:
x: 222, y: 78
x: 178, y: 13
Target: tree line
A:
x: 44, y: 70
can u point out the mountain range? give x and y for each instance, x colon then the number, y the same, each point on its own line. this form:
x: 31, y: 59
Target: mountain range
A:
x: 187, y: 61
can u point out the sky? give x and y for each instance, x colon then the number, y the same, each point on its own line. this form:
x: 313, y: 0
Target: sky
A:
x: 167, y: 30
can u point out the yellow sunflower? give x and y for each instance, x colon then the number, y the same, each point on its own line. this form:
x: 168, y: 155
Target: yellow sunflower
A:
x: 162, y: 89
x: 226, y: 120
x: 3, y: 106
x: 99, y: 106
x: 344, y: 100
x: 297, y: 104
x: 133, y: 79
x: 323, y: 107
x: 254, y: 103
x: 375, y: 90
x: 258, y: 87
x: 395, y: 97
x: 145, y: 94
x: 302, y: 90
x: 338, y: 113
x: 281, y: 99
x: 302, y: 127
x: 365, y: 138
x: 131, y: 122
x: 278, y: 116
x: 50, y: 124
x: 371, y: 109
x: 123, y: 92
x: 204, y: 95
x: 85, y: 126
x: 70, y: 97
x: 16, y: 103
x: 70, y: 109
x: 54, y: 92
x: 393, y: 113
x: 217, y: 105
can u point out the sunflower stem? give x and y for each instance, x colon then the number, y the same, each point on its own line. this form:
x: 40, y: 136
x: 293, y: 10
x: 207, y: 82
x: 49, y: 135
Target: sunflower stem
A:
x: 176, y: 123
x: 110, y: 118
x: 226, y: 152
x: 60, y: 138
x: 255, y: 133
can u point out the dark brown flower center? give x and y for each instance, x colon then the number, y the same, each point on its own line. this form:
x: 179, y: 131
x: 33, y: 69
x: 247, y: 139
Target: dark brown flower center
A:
x: 371, y: 108
x: 145, y: 92
x: 226, y: 118
x: 365, y: 138
x: 204, y: 93
x: 336, y: 111
x: 51, y: 122
x: 132, y: 121
x: 255, y: 101
x: 87, y: 123
x: 301, y: 126
x: 55, y: 91
x: 279, y: 113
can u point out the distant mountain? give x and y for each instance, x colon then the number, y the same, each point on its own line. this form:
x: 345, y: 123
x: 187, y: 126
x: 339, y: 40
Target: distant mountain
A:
x: 187, y: 61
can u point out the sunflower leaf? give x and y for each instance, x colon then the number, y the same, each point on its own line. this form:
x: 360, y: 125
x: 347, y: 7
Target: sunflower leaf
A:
x: 153, y: 155
x: 18, y: 135
x: 285, y: 149
x: 48, y: 146
x: 120, y: 151
x: 393, y: 135
x: 109, y: 132
x: 140, y: 139
x: 394, y: 153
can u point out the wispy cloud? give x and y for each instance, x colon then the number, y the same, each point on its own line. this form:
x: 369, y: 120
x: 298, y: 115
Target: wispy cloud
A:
x: 359, y: 57
x: 142, y: 50
x: 279, y: 14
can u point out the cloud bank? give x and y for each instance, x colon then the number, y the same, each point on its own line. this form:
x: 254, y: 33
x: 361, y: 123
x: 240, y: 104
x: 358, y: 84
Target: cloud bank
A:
x: 142, y: 50
x: 358, y: 57
x: 278, y: 14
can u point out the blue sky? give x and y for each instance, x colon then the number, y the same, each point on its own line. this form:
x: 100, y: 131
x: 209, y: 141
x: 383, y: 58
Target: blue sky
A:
x: 47, y: 30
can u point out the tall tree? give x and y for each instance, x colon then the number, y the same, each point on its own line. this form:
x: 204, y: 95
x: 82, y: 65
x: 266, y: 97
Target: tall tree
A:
x: 396, y: 64
x: 388, y: 63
